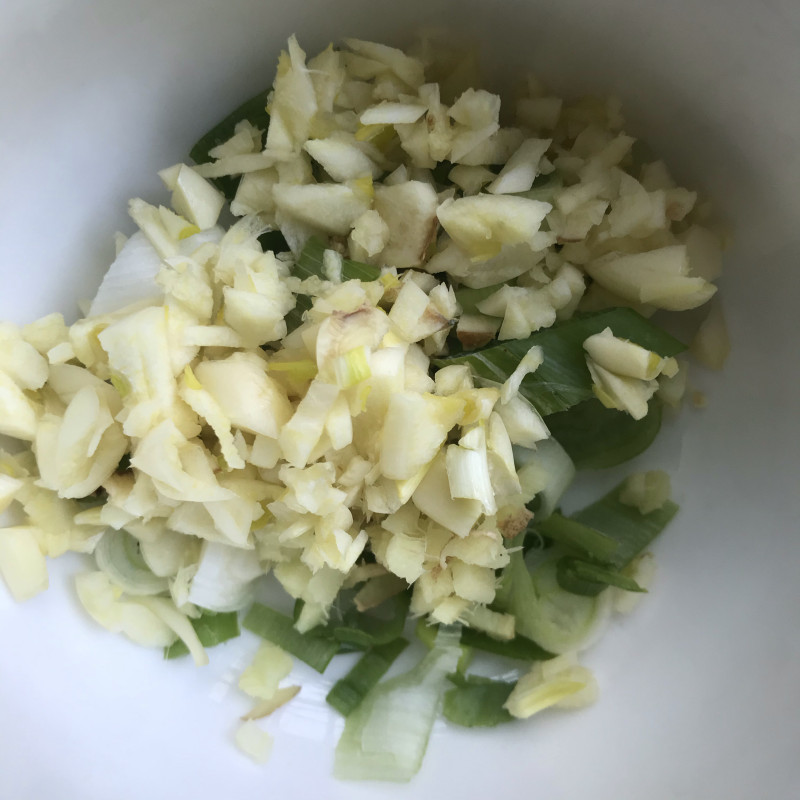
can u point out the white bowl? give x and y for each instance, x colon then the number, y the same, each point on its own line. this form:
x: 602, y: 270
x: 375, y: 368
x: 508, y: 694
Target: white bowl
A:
x: 699, y: 688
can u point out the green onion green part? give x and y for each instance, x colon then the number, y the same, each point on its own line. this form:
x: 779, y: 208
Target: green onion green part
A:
x: 314, y: 650
x: 377, y: 626
x: 627, y: 526
x: 583, y: 577
x: 519, y: 648
x: 348, y: 692
x: 632, y: 530
x: 596, y: 437
x: 477, y: 702
x: 563, y: 379
x: 575, y: 535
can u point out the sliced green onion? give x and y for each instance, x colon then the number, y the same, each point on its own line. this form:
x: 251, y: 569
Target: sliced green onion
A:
x: 554, y: 618
x: 576, y: 535
x: 596, y: 437
x: 376, y: 626
x: 211, y: 629
x: 632, y: 530
x: 519, y: 648
x: 279, y: 629
x: 117, y: 554
x: 563, y: 380
x: 348, y: 692
x: 165, y: 610
x: 385, y: 738
x: 583, y: 577
x: 477, y: 702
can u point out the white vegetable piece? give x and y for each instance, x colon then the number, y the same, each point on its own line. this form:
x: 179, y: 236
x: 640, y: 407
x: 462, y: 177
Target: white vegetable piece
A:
x: 521, y: 169
x: 658, y: 277
x: 138, y: 349
x: 105, y: 604
x: 481, y: 225
x: 529, y: 363
x: 408, y: 69
x: 646, y: 491
x: 193, y: 196
x: 254, y: 742
x: 246, y: 139
x: 414, y: 429
x: 388, y: 113
x: 476, y: 109
x: 468, y: 475
x: 76, y: 453
x: 704, y: 251
x: 470, y: 179
x: 409, y: 211
x: 433, y: 499
x: 500, y: 454
x: 247, y: 395
x: 711, y: 344
x: 414, y: 316
x: 342, y: 158
x: 9, y: 487
x: 510, y: 263
x: 626, y: 358
x: 18, y: 414
x: 20, y: 360
x: 46, y: 332
x: 302, y: 432
x: 22, y: 564
x: 473, y: 583
x: 294, y: 102
x: 571, y: 687
x: 179, y: 468
x: 620, y: 392
x: 330, y: 207
x: 269, y: 667
x: 369, y: 236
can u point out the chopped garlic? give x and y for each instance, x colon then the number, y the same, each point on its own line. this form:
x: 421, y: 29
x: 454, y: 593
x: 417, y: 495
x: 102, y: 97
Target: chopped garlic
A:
x: 254, y: 742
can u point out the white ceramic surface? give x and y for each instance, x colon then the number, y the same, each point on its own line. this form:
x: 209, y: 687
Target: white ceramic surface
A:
x: 699, y: 688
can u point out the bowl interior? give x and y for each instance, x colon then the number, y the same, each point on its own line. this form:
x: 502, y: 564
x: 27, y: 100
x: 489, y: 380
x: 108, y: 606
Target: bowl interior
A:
x: 99, y: 96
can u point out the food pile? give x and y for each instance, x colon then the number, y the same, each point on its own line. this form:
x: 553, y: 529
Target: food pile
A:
x: 364, y: 351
